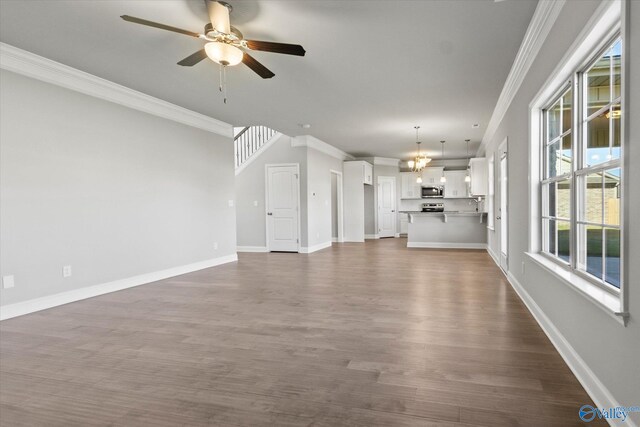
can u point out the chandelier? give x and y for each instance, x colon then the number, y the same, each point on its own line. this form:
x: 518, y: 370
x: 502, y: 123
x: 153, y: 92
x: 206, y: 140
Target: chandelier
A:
x: 419, y: 162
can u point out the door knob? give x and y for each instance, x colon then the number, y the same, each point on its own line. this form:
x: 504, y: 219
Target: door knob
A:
x: 269, y: 213
x: 498, y: 217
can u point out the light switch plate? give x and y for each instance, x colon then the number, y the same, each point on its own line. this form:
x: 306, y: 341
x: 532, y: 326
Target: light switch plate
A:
x: 230, y: 203
x: 66, y: 271
x: 215, y: 246
x: 255, y: 203
x: 8, y: 282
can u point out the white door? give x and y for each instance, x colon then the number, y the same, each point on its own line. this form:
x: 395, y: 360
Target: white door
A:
x: 386, y: 206
x: 502, y: 209
x: 282, y: 201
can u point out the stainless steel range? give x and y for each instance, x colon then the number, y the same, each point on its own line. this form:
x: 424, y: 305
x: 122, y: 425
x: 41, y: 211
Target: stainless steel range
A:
x: 433, y: 207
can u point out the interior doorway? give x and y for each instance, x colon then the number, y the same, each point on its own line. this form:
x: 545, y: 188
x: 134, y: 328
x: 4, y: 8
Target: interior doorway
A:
x: 386, y: 206
x: 337, y: 227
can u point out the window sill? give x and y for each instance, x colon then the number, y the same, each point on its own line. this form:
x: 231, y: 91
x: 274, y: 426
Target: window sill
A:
x: 602, y: 299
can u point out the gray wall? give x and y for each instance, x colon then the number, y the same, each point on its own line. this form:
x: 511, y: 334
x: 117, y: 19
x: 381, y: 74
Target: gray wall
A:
x: 111, y: 191
x: 609, y: 349
x: 315, y: 193
x: 319, y: 166
x: 250, y: 188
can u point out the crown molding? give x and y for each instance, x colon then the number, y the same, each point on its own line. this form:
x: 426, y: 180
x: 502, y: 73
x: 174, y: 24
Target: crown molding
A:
x: 321, y: 146
x: 40, y: 68
x: 544, y: 17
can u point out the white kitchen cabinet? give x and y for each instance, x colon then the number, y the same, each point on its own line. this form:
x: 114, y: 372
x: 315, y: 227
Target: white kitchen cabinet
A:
x: 363, y: 171
x: 455, y: 187
x: 367, y: 173
x: 409, y: 188
x: 478, y: 172
x: 431, y: 176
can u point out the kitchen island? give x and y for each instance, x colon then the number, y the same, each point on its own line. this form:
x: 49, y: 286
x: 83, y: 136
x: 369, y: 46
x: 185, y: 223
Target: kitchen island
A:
x: 448, y: 229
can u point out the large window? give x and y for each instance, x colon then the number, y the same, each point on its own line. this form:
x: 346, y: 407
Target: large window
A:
x: 581, y: 174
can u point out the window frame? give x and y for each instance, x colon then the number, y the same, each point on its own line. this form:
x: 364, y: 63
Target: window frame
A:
x: 579, y: 169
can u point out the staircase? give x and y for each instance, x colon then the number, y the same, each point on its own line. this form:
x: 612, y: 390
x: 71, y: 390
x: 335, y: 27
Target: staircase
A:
x: 249, y: 140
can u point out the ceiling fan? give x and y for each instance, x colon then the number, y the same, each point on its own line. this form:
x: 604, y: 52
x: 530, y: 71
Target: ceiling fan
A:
x: 225, y: 45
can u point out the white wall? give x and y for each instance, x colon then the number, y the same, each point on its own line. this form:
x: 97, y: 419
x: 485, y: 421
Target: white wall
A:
x: 315, y: 193
x: 334, y: 206
x: 609, y: 349
x: 250, y: 188
x: 111, y: 191
x: 319, y: 166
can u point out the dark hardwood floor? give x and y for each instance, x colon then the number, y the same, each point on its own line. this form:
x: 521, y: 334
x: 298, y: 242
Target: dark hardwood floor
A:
x: 359, y: 334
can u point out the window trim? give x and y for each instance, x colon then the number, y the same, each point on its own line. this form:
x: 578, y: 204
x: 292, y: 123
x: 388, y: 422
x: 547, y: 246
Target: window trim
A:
x: 609, y: 21
x: 579, y: 121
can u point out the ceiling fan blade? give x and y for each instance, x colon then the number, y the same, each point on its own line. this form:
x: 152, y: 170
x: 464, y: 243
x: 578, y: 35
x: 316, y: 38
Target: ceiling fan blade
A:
x: 193, y: 59
x: 287, y: 49
x: 158, y: 25
x: 257, y: 67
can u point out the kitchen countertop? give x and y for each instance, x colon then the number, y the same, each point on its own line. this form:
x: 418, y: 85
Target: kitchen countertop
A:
x: 462, y: 213
x: 444, y: 215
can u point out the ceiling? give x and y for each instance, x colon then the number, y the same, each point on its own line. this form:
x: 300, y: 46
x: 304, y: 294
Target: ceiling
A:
x: 373, y: 69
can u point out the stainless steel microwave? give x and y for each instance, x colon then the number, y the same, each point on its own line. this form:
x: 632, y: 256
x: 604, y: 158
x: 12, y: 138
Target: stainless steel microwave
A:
x: 432, y: 192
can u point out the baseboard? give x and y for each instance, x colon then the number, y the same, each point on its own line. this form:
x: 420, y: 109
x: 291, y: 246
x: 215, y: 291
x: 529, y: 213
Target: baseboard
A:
x: 441, y: 245
x: 314, y: 248
x: 598, y: 392
x: 371, y: 236
x: 493, y: 255
x: 396, y: 235
x: 252, y: 249
x: 43, y: 303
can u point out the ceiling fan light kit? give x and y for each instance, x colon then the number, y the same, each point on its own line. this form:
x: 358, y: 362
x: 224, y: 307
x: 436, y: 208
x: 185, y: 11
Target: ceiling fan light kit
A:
x: 223, y: 54
x: 225, y: 45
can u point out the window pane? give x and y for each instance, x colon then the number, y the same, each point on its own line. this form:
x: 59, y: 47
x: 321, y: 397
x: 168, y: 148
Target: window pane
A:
x: 550, y: 232
x: 598, y: 140
x: 615, y: 124
x: 563, y: 197
x: 553, y: 160
x: 565, y: 164
x: 616, y: 52
x: 612, y: 196
x: 598, y: 90
x: 612, y: 256
x: 564, y: 240
x: 590, y: 250
x: 567, y: 101
x: 553, y: 121
x: 559, y: 157
x: 593, y: 201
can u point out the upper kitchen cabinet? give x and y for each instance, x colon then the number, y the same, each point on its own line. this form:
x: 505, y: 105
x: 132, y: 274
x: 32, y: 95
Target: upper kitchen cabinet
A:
x: 364, y: 171
x: 431, y: 176
x: 410, y: 189
x: 478, y: 172
x: 455, y: 187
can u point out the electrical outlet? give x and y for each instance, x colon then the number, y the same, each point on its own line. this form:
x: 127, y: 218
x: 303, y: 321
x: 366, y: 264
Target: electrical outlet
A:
x: 66, y: 271
x: 8, y: 282
x: 215, y: 246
